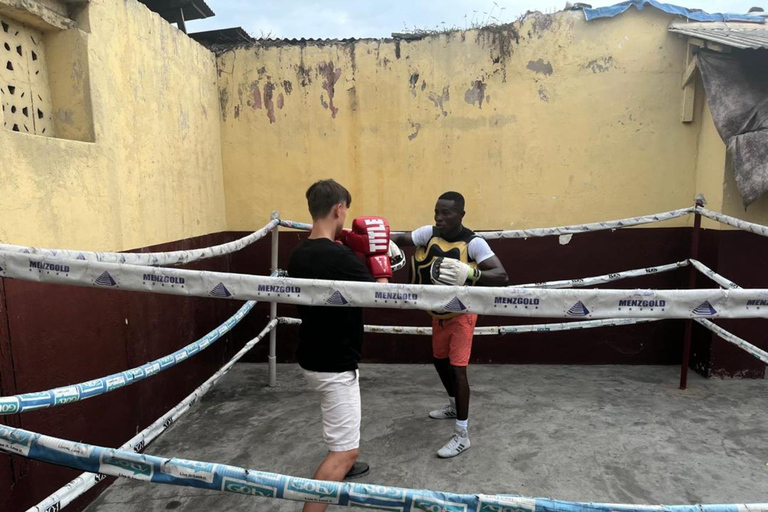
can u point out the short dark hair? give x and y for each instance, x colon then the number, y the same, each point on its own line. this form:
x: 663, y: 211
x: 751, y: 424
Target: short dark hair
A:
x: 457, y: 199
x: 323, y: 195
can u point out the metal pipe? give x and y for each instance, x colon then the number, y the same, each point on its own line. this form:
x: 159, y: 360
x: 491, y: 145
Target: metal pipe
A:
x: 273, y: 308
x: 694, y: 254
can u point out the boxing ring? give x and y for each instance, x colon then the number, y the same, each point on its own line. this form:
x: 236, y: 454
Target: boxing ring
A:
x: 148, y: 272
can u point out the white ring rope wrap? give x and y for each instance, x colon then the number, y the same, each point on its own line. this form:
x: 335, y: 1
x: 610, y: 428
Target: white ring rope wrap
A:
x: 160, y: 259
x: 743, y: 225
x: 605, y: 278
x: 225, y: 478
x: 137, y: 443
x: 496, y: 330
x: 498, y: 301
x: 743, y: 344
x: 75, y: 392
x: 722, y: 281
x: 554, y: 231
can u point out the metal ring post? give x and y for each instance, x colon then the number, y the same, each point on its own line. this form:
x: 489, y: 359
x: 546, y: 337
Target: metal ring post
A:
x: 694, y: 252
x: 273, y: 308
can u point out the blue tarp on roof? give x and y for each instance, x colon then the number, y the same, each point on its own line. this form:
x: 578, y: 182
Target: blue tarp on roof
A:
x: 614, y: 10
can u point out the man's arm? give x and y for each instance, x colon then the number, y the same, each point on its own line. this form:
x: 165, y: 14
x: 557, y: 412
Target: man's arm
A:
x: 402, y: 239
x: 492, y: 272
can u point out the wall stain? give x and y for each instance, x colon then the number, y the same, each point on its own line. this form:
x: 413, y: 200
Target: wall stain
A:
x: 541, y: 23
x: 255, y: 101
x: 302, y: 72
x: 413, y: 81
x: 476, y: 93
x: 423, y: 85
x: 397, y: 48
x: 499, y: 41
x: 223, y: 102
x: 415, y: 127
x: 288, y: 87
x: 280, y: 101
x: 323, y: 102
x: 330, y: 76
x: 601, y: 65
x: 540, y: 66
x: 352, y: 93
x: 269, y: 91
x: 439, y: 101
x: 543, y: 94
x: 237, y: 111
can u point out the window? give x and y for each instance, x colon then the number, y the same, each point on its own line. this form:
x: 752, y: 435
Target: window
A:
x: 24, y: 89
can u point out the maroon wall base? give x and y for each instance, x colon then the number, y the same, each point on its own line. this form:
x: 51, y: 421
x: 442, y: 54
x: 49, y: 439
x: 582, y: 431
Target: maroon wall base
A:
x: 55, y: 335
x: 533, y: 260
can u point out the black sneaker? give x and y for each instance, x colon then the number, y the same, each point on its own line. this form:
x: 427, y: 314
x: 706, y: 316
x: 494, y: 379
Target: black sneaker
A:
x: 358, y: 470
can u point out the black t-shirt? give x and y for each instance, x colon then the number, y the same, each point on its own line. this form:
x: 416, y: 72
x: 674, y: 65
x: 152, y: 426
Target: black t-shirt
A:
x: 330, y: 338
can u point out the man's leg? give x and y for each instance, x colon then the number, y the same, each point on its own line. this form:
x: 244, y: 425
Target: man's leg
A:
x: 447, y: 375
x: 333, y: 468
x: 462, y: 392
x: 461, y: 331
x: 340, y: 404
x: 440, y: 351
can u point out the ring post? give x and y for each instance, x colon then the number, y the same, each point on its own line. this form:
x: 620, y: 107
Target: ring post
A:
x: 700, y: 202
x: 273, y: 308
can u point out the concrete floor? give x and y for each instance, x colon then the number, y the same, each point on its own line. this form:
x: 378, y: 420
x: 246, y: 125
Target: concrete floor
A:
x: 606, y: 433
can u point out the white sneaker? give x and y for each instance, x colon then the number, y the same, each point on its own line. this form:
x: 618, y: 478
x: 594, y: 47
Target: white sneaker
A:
x: 458, y: 443
x: 445, y: 413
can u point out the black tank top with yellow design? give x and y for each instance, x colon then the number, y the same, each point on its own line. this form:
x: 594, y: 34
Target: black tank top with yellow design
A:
x: 455, y: 247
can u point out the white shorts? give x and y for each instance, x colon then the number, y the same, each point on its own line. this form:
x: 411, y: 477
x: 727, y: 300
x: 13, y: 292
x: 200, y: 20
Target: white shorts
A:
x: 339, y: 395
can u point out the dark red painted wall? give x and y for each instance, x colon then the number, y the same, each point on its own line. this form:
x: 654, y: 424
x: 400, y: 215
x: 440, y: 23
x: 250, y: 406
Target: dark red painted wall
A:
x: 54, y: 335
x: 62, y: 335
x: 532, y: 260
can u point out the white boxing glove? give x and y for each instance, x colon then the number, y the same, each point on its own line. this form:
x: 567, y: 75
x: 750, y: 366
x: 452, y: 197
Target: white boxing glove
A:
x: 396, y: 256
x: 451, y: 272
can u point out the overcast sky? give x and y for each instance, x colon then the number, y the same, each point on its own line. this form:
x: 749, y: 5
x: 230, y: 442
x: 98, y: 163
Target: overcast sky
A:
x: 379, y: 18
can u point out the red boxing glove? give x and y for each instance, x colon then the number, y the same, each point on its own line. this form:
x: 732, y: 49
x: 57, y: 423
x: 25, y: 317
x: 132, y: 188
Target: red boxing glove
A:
x: 369, y: 235
x: 379, y: 266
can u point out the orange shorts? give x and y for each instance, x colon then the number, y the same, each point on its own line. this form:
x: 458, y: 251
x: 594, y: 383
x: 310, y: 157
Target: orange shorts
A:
x: 452, y: 338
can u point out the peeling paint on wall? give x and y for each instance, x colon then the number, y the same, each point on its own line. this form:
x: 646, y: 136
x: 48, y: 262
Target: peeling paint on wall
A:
x: 439, y: 101
x: 269, y: 91
x: 600, y: 65
x: 255, y: 101
x: 476, y: 93
x: 415, y: 127
x: 540, y: 66
x: 330, y: 76
x: 288, y: 87
x: 413, y: 81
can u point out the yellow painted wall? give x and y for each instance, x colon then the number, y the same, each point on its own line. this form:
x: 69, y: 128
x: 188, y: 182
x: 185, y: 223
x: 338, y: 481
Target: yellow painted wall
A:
x: 578, y: 122
x: 153, y: 173
x: 715, y: 179
x: 710, y: 163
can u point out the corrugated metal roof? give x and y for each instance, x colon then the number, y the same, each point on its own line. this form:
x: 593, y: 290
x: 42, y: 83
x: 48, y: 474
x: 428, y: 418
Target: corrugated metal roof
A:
x: 736, y: 35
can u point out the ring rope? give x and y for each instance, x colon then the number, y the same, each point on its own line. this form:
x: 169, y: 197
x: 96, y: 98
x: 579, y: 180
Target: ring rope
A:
x: 159, y: 259
x: 734, y: 222
x: 80, y: 485
x: 606, y: 278
x: 25, y: 402
x: 722, y: 281
x: 221, y: 477
x: 497, y: 330
x: 553, y: 231
x: 743, y: 344
x: 547, y: 303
